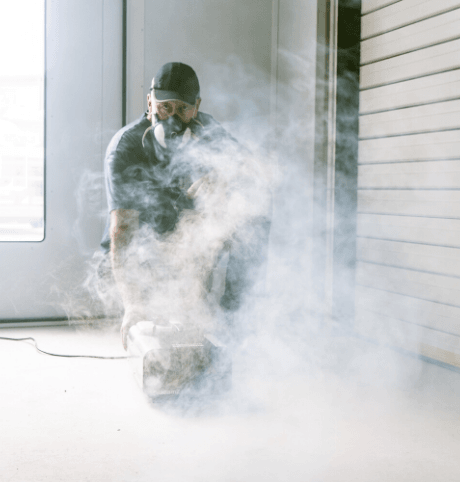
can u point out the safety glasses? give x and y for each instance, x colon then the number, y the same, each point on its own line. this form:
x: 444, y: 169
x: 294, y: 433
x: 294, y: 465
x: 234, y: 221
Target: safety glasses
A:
x: 167, y: 108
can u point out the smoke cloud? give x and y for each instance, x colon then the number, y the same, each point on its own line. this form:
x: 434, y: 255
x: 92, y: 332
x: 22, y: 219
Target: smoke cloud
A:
x: 263, y: 180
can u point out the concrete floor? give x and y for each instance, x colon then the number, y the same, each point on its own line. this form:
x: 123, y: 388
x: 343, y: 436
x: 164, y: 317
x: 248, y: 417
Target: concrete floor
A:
x: 371, y: 416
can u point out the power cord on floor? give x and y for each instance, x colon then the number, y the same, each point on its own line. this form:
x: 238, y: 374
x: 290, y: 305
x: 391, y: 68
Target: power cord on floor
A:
x: 66, y: 356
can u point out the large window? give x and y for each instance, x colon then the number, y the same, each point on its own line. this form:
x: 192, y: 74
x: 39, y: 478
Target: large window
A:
x: 22, y: 120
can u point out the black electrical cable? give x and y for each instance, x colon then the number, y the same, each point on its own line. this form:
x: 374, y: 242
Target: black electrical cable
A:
x: 66, y: 356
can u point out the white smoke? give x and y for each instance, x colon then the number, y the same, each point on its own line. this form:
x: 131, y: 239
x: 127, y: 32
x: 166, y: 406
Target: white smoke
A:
x: 281, y: 331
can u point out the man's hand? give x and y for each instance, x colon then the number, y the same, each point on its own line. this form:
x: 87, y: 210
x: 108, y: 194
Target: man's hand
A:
x: 204, y: 185
x: 193, y: 190
x: 131, y: 318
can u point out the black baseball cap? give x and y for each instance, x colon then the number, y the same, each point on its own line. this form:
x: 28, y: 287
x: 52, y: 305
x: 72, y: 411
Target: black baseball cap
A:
x: 176, y: 81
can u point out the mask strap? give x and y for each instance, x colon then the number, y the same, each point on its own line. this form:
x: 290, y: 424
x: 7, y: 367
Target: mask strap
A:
x: 198, y: 122
x: 145, y: 133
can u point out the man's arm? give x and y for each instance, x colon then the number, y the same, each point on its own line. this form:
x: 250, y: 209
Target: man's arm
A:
x: 124, y: 223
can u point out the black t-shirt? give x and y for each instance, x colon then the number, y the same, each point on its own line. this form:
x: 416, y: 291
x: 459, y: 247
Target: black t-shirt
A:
x: 136, y: 179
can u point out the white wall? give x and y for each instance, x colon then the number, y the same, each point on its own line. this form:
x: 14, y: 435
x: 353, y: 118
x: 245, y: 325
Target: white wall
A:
x: 83, y: 110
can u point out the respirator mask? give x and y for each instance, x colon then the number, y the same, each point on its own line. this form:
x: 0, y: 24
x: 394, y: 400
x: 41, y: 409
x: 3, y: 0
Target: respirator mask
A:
x: 172, y: 134
x: 167, y: 137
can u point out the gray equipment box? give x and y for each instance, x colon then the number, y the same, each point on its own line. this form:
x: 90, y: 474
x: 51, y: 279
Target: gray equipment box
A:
x: 176, y: 358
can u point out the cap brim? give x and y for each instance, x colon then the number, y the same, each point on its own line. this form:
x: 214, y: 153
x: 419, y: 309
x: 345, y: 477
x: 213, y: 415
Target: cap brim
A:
x: 170, y: 95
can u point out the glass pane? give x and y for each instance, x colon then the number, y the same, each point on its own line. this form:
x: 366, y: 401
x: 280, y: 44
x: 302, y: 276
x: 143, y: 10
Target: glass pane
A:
x: 22, y: 120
